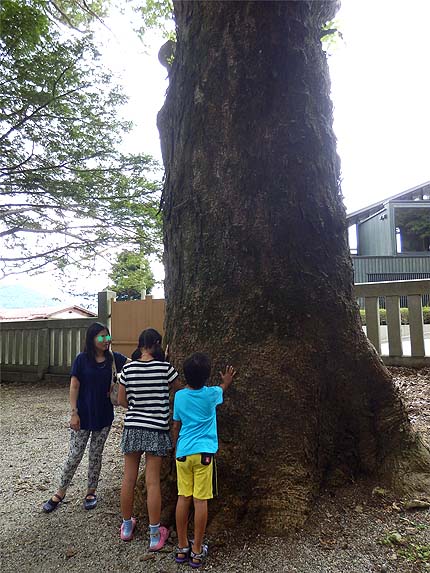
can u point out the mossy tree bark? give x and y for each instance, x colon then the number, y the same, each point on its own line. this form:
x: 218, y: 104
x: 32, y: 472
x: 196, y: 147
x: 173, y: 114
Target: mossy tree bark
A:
x: 258, y: 272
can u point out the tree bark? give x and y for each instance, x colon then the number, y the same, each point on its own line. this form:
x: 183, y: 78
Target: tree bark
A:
x: 258, y: 272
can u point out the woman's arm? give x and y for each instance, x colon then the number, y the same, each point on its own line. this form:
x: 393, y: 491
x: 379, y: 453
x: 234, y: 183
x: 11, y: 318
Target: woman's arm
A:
x: 122, y: 396
x: 75, y: 422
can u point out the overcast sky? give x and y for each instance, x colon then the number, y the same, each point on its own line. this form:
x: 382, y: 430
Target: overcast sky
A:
x: 381, y: 93
x: 380, y: 89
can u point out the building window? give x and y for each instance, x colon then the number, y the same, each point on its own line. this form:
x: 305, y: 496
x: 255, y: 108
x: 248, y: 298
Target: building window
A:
x: 412, y: 229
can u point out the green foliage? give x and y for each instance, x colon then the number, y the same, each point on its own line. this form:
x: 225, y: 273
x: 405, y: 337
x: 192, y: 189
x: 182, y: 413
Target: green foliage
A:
x: 404, y: 315
x: 330, y: 36
x: 67, y: 194
x: 131, y: 274
x: 405, y: 547
x: 393, y: 538
x: 24, y: 23
x: 21, y: 25
x: 76, y: 12
x: 416, y: 553
x: 155, y: 14
x: 414, y: 225
x: 415, y: 221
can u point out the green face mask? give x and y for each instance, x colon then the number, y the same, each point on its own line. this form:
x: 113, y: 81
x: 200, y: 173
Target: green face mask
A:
x: 101, y: 338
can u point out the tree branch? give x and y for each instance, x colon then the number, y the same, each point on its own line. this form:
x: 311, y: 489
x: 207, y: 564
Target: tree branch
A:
x: 64, y: 164
x: 40, y: 231
x: 39, y: 108
x: 17, y: 166
x: 65, y: 16
x: 63, y: 248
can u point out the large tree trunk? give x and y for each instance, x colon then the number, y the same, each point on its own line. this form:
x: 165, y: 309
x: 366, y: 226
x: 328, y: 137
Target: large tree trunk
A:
x: 258, y: 271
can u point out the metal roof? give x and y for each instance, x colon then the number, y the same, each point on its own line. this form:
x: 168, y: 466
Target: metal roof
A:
x: 356, y: 216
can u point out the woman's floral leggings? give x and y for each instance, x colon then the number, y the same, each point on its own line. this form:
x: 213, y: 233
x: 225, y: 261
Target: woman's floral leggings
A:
x: 78, y: 443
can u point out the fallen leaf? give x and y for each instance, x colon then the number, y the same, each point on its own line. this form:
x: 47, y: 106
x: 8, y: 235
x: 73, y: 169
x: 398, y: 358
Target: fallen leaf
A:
x: 70, y: 552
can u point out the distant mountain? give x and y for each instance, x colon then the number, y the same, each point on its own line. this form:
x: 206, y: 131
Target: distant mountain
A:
x: 18, y: 296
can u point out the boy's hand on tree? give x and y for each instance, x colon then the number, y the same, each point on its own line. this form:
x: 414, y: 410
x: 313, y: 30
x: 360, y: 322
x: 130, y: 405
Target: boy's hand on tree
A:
x: 227, y: 377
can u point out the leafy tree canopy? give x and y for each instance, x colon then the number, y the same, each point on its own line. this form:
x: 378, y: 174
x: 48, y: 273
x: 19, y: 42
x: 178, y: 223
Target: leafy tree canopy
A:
x: 415, y: 221
x: 67, y: 194
x: 156, y: 14
x: 414, y: 226
x: 131, y: 274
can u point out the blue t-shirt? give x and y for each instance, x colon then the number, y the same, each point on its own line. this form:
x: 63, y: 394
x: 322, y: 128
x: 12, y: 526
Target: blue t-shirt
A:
x: 196, y: 410
x: 94, y: 406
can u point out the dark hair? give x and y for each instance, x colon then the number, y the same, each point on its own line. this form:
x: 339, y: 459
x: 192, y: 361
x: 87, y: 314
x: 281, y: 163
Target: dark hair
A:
x: 151, y: 340
x: 197, y: 369
x: 92, y: 332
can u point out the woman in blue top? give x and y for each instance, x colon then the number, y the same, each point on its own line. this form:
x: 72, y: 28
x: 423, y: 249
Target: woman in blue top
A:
x: 91, y: 411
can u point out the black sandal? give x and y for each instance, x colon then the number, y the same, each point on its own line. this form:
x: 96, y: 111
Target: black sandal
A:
x: 51, y: 504
x: 90, y: 501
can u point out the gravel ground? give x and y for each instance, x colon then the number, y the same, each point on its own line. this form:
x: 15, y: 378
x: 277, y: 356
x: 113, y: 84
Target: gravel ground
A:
x: 350, y: 531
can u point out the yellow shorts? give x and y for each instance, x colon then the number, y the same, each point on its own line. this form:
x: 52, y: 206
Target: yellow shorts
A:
x: 196, y: 479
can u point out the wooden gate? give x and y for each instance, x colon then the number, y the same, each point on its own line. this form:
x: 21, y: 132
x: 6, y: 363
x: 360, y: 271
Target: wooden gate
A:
x: 129, y: 318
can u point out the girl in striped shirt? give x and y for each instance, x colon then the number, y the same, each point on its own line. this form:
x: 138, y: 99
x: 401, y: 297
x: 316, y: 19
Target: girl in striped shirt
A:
x: 144, y: 391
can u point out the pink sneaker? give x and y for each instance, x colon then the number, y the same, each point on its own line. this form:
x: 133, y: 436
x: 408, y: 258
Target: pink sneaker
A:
x: 163, y: 533
x: 128, y: 537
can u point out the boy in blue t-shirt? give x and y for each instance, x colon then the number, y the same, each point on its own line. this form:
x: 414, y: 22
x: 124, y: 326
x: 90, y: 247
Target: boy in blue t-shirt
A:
x: 194, y: 419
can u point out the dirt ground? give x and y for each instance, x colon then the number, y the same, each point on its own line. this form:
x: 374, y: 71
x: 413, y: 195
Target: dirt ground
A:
x: 352, y: 530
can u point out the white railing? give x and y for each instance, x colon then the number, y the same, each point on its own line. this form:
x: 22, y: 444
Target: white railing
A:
x: 416, y: 336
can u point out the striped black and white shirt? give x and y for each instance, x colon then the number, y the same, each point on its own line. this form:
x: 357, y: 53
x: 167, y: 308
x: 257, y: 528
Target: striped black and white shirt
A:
x: 147, y: 388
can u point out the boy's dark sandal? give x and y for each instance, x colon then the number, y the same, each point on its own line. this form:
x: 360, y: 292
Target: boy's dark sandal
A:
x: 197, y: 559
x: 51, y: 504
x: 182, y: 554
x: 90, y: 501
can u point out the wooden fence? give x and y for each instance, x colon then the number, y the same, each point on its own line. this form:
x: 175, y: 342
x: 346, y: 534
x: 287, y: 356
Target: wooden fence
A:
x: 41, y: 346
x: 129, y: 318
x: 34, y: 349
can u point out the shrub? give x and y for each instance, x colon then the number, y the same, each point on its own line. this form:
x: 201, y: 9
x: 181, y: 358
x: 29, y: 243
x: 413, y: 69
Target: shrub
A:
x: 404, y: 315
